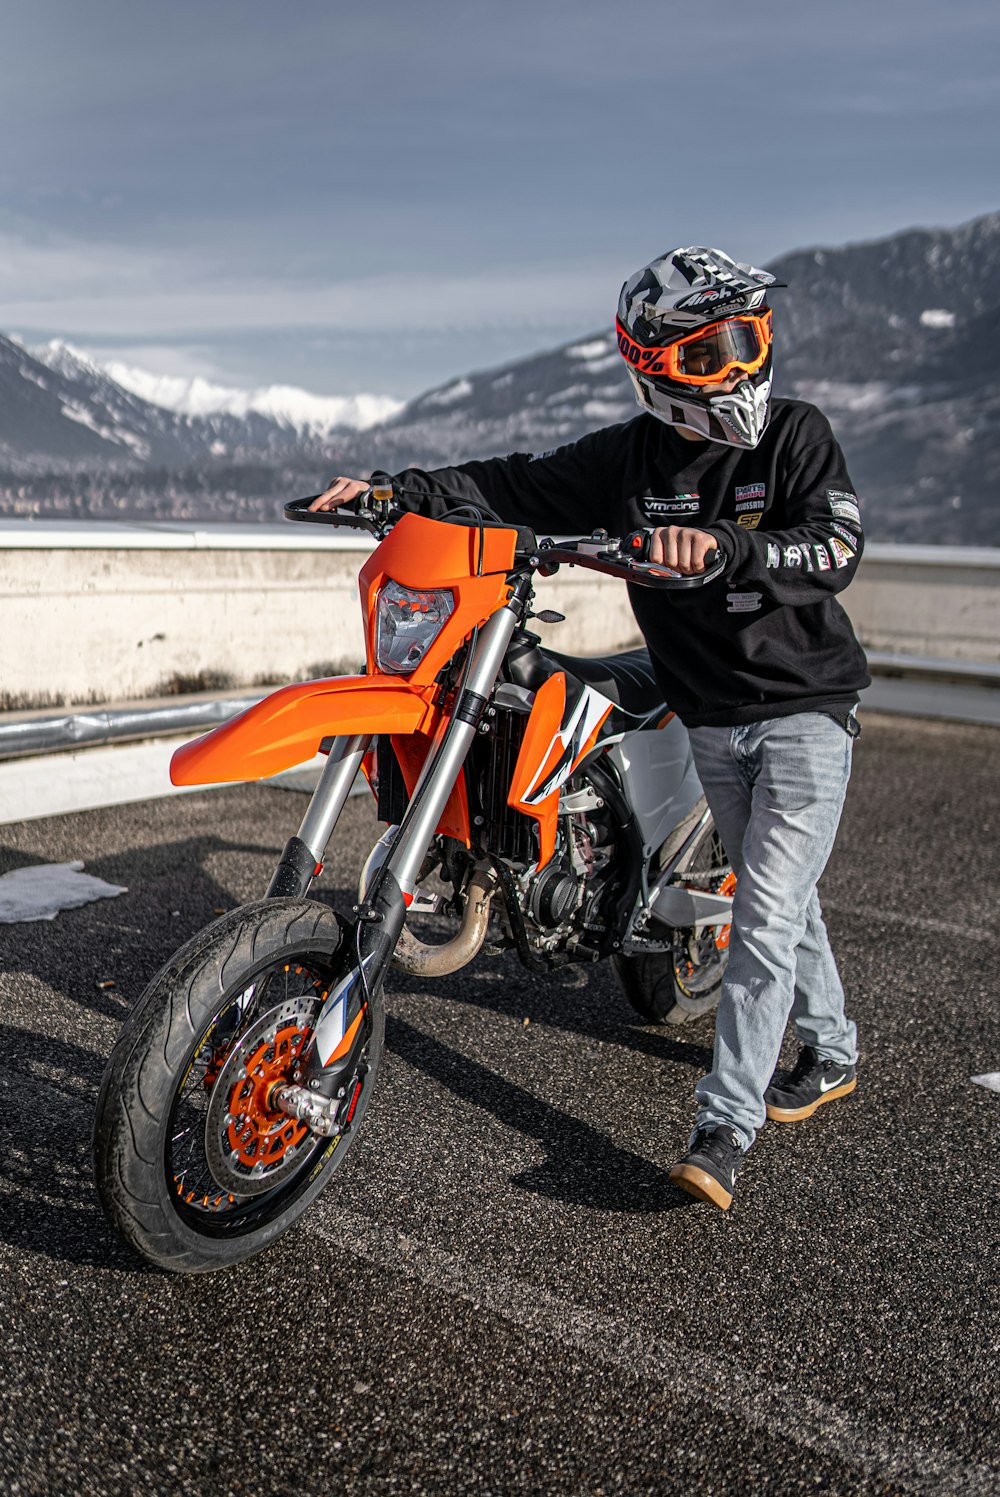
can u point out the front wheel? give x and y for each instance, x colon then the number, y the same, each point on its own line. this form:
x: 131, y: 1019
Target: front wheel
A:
x: 193, y: 1167
x: 675, y: 986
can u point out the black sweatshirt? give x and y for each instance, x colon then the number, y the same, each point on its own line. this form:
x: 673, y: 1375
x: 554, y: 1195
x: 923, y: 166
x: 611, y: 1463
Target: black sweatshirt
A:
x: 768, y: 637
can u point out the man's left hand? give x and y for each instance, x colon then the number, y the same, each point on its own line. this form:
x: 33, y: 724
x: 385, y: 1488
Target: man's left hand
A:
x: 683, y: 549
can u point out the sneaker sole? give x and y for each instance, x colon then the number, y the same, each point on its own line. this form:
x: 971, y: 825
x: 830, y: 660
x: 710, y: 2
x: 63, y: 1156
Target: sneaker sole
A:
x: 796, y: 1114
x: 702, y: 1186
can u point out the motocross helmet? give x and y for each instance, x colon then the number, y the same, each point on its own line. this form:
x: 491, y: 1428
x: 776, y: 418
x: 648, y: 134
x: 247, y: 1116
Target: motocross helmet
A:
x: 687, y: 320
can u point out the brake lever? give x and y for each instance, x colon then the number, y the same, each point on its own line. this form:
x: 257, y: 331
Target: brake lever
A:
x: 375, y: 516
x: 715, y: 564
x: 636, y: 546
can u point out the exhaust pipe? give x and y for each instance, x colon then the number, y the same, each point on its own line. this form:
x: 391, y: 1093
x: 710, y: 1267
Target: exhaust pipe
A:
x: 419, y: 960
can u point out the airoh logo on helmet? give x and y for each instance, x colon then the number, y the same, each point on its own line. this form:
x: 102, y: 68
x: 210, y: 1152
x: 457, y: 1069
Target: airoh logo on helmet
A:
x: 714, y: 296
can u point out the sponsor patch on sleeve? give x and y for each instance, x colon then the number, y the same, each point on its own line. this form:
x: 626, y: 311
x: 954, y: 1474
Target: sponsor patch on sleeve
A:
x: 797, y: 556
x: 847, y: 536
x: 749, y: 522
x: 841, y: 554
x: 843, y: 505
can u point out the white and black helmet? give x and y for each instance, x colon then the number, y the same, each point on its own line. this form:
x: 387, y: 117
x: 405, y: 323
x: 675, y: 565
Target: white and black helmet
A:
x: 687, y: 320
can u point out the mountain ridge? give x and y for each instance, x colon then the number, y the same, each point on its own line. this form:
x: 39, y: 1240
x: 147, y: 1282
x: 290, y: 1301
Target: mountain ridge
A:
x: 893, y: 338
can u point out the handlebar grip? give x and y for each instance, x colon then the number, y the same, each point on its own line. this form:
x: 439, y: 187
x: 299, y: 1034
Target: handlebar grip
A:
x: 636, y: 546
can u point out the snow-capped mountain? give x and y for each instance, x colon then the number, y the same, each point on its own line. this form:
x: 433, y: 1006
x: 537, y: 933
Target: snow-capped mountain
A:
x: 58, y: 407
x: 310, y: 415
x: 894, y: 339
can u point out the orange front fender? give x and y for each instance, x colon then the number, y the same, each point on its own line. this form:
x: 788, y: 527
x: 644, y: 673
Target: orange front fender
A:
x: 287, y: 727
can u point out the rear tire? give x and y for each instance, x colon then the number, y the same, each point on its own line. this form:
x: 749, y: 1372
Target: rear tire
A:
x: 193, y: 1170
x: 676, y: 986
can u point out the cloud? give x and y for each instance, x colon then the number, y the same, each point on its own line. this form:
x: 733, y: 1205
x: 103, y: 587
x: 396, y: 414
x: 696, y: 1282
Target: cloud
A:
x: 109, y: 292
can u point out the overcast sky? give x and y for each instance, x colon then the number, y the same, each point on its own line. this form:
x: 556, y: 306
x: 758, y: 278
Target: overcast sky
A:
x: 353, y: 195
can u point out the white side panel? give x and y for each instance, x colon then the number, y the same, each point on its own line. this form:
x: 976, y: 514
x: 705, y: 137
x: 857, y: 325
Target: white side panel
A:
x: 660, y: 778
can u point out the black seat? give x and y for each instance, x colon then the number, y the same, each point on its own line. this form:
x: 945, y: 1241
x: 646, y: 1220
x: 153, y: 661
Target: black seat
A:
x: 626, y: 679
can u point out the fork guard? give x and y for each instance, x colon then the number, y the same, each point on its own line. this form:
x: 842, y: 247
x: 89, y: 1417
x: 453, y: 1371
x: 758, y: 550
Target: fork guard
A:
x: 287, y: 727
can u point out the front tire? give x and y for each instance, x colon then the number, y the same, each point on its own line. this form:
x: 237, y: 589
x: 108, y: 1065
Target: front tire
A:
x: 676, y: 986
x: 192, y: 1167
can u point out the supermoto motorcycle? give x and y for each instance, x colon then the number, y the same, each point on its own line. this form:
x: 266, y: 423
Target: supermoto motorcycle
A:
x: 547, y: 803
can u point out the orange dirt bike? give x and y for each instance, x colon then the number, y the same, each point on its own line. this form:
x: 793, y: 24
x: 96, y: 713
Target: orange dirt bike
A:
x: 549, y: 803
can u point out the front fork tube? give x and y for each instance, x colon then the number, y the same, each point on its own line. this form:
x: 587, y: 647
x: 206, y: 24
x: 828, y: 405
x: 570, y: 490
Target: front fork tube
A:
x: 304, y: 853
x: 381, y: 917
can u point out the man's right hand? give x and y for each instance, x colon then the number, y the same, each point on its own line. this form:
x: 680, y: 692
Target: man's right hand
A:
x: 337, y: 492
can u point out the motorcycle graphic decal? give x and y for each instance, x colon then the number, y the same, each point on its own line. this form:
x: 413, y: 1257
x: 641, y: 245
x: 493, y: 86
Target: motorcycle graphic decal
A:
x: 333, y: 1035
x: 556, y: 740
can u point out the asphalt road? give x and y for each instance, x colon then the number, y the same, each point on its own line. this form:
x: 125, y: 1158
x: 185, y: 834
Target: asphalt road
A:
x: 501, y: 1292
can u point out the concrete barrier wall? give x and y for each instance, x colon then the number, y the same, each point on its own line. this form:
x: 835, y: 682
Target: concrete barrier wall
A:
x: 102, y: 613
x: 940, y: 602
x: 95, y: 613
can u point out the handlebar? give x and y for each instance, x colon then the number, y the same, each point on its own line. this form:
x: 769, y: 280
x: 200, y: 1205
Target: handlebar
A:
x: 598, y: 552
x: 616, y: 558
x: 377, y: 516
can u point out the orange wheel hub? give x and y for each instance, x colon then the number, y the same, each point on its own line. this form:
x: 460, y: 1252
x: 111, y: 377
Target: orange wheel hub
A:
x: 258, y: 1133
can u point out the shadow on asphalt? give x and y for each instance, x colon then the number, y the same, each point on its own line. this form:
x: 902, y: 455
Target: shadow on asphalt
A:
x: 582, y: 1000
x: 48, y: 1202
x: 584, y: 1167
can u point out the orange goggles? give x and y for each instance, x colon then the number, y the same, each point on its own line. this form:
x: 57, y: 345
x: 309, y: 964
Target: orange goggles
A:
x: 707, y: 355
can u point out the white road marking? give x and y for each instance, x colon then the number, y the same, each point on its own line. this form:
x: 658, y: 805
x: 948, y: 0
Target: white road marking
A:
x: 685, y: 1371
x: 991, y: 1080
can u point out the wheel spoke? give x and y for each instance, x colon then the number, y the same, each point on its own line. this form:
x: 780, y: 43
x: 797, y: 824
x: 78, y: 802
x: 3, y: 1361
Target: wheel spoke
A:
x: 220, y: 1166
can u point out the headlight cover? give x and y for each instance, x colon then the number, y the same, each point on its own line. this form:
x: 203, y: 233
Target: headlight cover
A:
x: 407, y: 622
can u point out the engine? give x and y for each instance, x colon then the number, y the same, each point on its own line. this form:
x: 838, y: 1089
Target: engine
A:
x: 562, y: 907
x: 563, y: 903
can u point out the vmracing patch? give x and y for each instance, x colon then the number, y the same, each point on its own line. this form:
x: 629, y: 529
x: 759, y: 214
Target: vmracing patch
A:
x: 671, y: 511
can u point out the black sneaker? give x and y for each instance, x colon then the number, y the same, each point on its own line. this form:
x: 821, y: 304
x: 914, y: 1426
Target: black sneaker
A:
x: 811, y: 1082
x: 708, y: 1169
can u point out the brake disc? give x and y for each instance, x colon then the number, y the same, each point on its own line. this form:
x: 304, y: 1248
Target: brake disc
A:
x: 251, y: 1147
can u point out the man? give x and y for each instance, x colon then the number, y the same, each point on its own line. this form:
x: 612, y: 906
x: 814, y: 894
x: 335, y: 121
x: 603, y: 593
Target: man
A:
x: 761, y: 665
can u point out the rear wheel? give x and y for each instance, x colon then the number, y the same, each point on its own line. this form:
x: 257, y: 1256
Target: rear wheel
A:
x: 193, y: 1166
x: 675, y: 986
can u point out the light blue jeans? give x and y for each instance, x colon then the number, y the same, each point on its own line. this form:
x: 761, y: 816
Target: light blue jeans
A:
x: 776, y: 790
